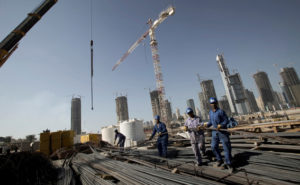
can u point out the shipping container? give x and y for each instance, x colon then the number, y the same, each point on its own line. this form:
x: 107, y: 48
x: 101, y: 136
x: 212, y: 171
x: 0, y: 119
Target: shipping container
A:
x: 55, y: 141
x: 67, y: 138
x: 45, y: 143
x: 93, y: 138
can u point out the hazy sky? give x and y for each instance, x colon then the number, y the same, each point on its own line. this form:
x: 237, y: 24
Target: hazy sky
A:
x: 52, y: 62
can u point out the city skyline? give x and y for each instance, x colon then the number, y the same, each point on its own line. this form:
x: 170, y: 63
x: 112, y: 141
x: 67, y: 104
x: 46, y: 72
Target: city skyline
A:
x: 42, y: 75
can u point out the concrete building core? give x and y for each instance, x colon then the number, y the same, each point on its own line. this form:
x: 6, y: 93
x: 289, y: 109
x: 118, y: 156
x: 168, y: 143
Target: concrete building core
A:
x: 266, y: 91
x: 154, y: 96
x: 208, y: 91
x: 233, y: 87
x: 122, y: 109
x: 169, y: 110
x: 224, y: 105
x: 203, y: 111
x: 290, y: 86
x: 76, y: 115
x: 190, y: 103
x: 253, y: 107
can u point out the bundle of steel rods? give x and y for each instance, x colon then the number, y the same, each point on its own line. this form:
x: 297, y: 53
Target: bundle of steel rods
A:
x: 86, y: 166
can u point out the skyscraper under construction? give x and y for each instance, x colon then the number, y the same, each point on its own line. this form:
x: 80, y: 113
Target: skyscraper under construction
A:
x: 155, y: 103
x: 76, y: 115
x: 234, y: 88
x: 190, y: 103
x: 265, y: 90
x: 290, y: 86
x: 122, y: 109
x: 208, y: 91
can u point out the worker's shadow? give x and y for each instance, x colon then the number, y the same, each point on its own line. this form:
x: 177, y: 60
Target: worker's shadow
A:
x: 242, y: 159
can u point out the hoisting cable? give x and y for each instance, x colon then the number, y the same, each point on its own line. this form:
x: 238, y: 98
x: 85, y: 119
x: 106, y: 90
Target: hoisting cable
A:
x: 92, y: 57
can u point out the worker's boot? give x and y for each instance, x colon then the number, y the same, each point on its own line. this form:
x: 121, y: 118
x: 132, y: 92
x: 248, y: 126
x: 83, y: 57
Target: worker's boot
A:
x: 199, y: 163
x: 230, y: 168
x: 218, y: 164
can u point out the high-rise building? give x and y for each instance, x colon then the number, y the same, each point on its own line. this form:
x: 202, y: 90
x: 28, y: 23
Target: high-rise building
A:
x: 190, y: 103
x: 204, y: 112
x: 122, y: 109
x: 266, y: 91
x: 155, y: 103
x: 208, y: 91
x: 234, y: 88
x: 279, y: 98
x: 260, y: 103
x: 253, y: 107
x: 198, y: 113
x: 177, y: 113
x: 174, y: 117
x: 169, y: 110
x: 290, y: 86
x: 76, y: 115
x: 224, y: 105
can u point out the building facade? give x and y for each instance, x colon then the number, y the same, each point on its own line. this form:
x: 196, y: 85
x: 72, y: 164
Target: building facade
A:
x: 203, y: 110
x: 122, y: 109
x: 169, y: 110
x: 76, y: 115
x: 224, y: 105
x: 234, y: 88
x: 155, y: 103
x: 265, y: 91
x: 190, y: 103
x: 253, y: 107
x: 290, y: 86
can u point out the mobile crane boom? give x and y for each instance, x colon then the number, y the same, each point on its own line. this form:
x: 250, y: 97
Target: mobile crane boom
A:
x: 10, y: 43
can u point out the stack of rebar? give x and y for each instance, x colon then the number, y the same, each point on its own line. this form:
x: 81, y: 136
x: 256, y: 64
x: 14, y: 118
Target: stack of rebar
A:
x: 88, y: 165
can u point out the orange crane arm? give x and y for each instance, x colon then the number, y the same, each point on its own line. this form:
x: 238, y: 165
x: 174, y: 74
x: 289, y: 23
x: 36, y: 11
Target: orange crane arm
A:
x: 10, y: 43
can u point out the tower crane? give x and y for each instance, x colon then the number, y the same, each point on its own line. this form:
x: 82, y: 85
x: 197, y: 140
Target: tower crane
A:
x: 10, y: 43
x: 156, y: 61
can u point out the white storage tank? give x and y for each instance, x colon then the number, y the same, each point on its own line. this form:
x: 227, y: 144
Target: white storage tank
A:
x: 133, y: 130
x: 108, y: 133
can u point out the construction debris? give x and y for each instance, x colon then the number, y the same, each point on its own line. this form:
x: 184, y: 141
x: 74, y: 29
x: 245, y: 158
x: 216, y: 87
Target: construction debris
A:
x: 27, y: 168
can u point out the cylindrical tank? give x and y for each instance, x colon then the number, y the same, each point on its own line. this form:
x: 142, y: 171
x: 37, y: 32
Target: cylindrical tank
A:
x: 133, y: 130
x: 108, y: 133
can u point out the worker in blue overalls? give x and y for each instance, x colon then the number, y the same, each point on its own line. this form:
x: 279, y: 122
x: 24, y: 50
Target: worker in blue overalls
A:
x: 121, y: 140
x: 162, y: 140
x: 219, y: 120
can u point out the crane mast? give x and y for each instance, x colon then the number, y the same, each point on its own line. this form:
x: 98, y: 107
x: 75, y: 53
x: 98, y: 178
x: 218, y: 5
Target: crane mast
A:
x: 9, y: 44
x: 158, y: 74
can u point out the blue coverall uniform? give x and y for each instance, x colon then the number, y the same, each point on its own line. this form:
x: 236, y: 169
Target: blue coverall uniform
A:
x: 162, y: 141
x: 121, y: 140
x: 220, y: 117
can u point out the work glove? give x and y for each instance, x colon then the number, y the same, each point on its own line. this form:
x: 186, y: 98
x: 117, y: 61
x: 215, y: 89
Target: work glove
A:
x: 205, y: 124
x: 199, y: 127
x: 185, y: 128
x: 219, y: 127
x: 159, y: 133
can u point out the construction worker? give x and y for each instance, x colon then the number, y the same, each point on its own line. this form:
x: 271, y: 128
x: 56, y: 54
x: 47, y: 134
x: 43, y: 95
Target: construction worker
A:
x: 162, y: 140
x: 121, y: 140
x: 219, y: 120
x: 194, y: 126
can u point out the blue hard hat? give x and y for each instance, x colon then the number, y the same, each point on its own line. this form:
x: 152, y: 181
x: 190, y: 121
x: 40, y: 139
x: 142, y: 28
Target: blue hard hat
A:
x: 157, y: 117
x: 189, y: 110
x: 213, y: 100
